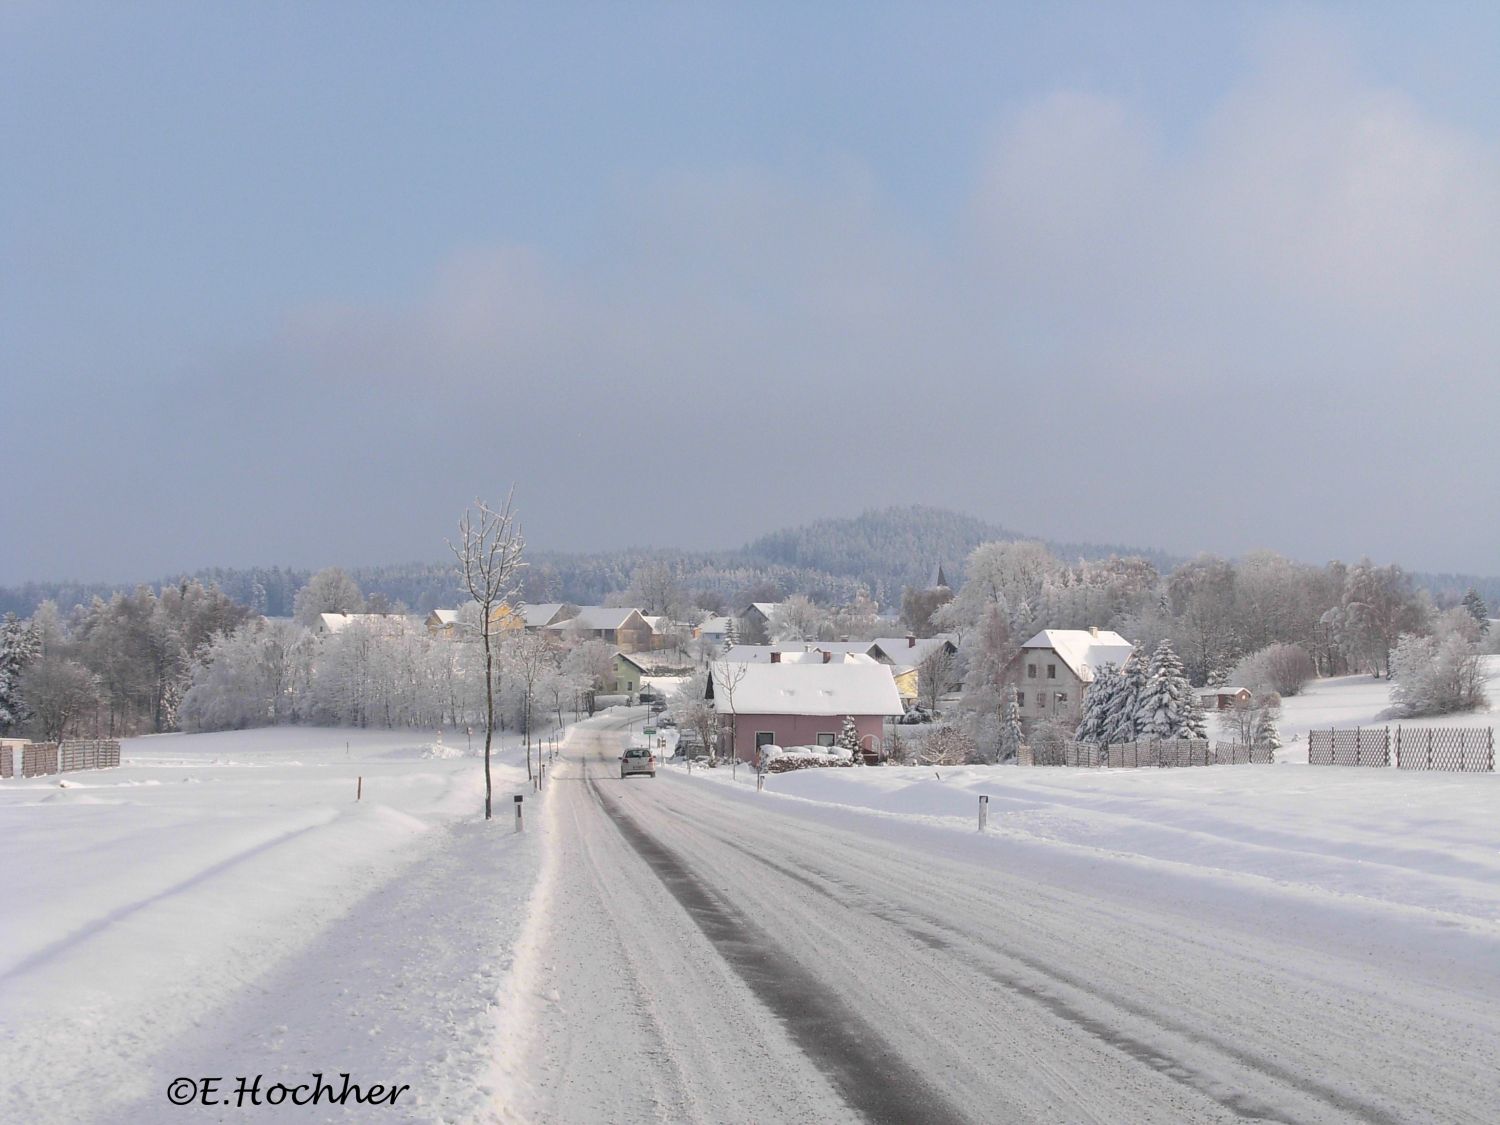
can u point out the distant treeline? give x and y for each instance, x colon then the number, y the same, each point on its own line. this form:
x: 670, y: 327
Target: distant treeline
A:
x: 880, y: 552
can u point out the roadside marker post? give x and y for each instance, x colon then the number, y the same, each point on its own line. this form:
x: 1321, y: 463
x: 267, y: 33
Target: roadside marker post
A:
x: 520, y: 826
x: 359, y: 789
x: 984, y: 811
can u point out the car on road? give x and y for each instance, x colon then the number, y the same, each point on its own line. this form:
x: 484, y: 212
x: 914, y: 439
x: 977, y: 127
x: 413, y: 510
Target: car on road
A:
x: 637, y: 759
x: 666, y: 721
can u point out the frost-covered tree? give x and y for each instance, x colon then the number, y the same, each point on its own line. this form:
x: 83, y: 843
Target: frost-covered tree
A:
x: 798, y: 619
x: 1168, y: 706
x: 1252, y: 722
x: 1478, y: 610
x: 1280, y: 668
x: 20, y: 644
x: 328, y: 591
x: 1267, y: 731
x: 60, y: 693
x: 849, y: 740
x: 1099, y: 704
x: 1380, y: 603
x: 1440, y: 674
x: 1119, y: 723
x: 488, y: 552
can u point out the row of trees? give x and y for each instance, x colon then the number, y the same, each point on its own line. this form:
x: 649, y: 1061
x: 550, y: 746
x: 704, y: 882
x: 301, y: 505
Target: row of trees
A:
x: 118, y: 666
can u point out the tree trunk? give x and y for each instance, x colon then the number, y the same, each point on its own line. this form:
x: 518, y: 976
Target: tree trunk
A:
x: 489, y: 706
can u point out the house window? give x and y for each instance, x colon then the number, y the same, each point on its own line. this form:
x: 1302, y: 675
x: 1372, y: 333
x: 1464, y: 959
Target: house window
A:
x: 764, y: 738
x: 1031, y: 671
x: 1020, y: 699
x: 825, y: 740
x: 1052, y: 671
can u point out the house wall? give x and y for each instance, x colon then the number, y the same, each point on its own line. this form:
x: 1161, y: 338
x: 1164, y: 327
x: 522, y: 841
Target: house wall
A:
x: 627, y: 677
x: 795, y: 730
x: 1066, y: 681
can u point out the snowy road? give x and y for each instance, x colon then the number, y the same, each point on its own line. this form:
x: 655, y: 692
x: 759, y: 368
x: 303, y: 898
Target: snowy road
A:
x: 710, y: 954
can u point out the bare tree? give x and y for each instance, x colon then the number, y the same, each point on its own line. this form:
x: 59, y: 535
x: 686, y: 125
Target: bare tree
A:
x: 57, y: 692
x: 935, y: 675
x: 530, y: 657
x: 1248, y: 720
x: 726, y: 678
x: 489, y: 563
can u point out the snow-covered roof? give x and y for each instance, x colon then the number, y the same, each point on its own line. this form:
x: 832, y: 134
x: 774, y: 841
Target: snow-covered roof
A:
x: 386, y: 624
x: 1084, y: 650
x: 625, y: 656
x: 541, y: 615
x: 595, y: 617
x: 445, y: 616
x: 765, y: 609
x: 657, y: 621
x: 908, y: 651
x: 805, y: 689
x: 718, y: 626
x: 799, y: 654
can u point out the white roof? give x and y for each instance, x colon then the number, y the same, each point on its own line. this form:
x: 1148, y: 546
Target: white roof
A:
x: 445, y: 616
x: 386, y: 624
x: 537, y: 616
x: 715, y: 625
x: 596, y: 617
x: 1084, y: 651
x: 761, y: 654
x: 806, y: 689
x: 765, y: 607
x: 908, y: 652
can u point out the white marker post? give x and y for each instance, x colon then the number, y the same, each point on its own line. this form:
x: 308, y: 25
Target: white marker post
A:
x: 984, y: 811
x: 520, y: 826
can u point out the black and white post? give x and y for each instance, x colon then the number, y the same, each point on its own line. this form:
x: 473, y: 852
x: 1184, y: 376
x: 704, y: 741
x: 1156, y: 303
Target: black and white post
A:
x: 984, y: 811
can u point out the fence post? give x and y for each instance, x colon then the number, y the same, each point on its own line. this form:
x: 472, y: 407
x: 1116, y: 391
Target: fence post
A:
x: 359, y: 789
x: 520, y: 825
x: 1429, y: 747
x: 984, y: 811
x: 1398, y: 746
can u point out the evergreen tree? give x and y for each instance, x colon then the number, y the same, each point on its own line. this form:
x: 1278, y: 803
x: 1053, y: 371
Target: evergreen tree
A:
x: 20, y: 644
x: 849, y: 740
x: 1168, y: 707
x: 1098, y: 705
x: 1266, y: 732
x: 1010, y: 730
x: 1120, y: 724
x: 1478, y: 610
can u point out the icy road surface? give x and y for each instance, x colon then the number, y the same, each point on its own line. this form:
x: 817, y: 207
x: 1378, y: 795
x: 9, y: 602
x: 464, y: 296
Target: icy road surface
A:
x: 706, y: 953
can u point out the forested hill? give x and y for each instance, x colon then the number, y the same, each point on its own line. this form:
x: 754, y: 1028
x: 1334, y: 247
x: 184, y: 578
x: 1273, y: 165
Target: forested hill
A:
x: 896, y: 547
x: 880, y: 551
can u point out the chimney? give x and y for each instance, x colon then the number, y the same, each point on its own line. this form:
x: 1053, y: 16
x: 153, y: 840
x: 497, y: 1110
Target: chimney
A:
x: 911, y: 640
x: 1093, y: 630
x: 775, y: 657
x: 827, y: 656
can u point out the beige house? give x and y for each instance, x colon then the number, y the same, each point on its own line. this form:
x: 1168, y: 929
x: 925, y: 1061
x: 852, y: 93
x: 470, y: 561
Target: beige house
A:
x: 1054, y: 669
x: 625, y: 629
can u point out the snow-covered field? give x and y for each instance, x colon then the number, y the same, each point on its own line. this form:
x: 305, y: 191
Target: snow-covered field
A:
x: 1363, y: 701
x: 221, y: 904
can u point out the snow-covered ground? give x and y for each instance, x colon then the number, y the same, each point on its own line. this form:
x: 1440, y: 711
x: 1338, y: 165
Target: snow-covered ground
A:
x: 222, y: 904
x: 1363, y: 701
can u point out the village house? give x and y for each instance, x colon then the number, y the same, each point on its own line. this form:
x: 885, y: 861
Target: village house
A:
x: 905, y: 656
x: 628, y: 673
x: 381, y: 624
x: 1054, y: 669
x: 713, y: 631
x: 800, y: 704
x: 624, y: 629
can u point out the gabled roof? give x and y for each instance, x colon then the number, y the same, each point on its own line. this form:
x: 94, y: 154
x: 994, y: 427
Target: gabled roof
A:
x: 1083, y: 650
x: 384, y: 624
x: 804, y: 689
x: 906, y: 652
x: 541, y: 615
x: 718, y: 625
x: 632, y: 661
x: 596, y: 617
x: 761, y: 654
x: 763, y: 608
x: 443, y: 616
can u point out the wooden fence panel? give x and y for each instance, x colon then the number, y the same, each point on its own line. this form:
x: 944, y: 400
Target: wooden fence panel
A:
x: 1451, y: 749
x: 7, y: 762
x: 88, y: 754
x: 38, y: 759
x: 1363, y: 746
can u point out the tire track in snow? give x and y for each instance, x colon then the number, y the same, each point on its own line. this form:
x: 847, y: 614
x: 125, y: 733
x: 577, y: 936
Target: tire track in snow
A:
x: 936, y: 932
x: 871, y: 1075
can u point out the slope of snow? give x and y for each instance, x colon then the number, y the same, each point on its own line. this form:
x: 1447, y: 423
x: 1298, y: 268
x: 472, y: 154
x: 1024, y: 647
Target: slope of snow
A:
x: 227, y: 892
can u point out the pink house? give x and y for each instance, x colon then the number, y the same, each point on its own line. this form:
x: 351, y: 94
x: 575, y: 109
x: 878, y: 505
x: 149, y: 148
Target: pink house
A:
x: 800, y: 704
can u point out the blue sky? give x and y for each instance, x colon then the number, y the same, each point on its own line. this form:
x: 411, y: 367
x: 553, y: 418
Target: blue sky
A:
x: 293, y: 283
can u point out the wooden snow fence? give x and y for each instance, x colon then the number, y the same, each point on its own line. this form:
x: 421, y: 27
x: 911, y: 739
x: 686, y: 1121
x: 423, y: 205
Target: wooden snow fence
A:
x: 1361, y: 746
x: 39, y: 758
x: 7, y: 762
x: 1452, y: 749
x: 88, y: 754
x: 1158, y: 753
